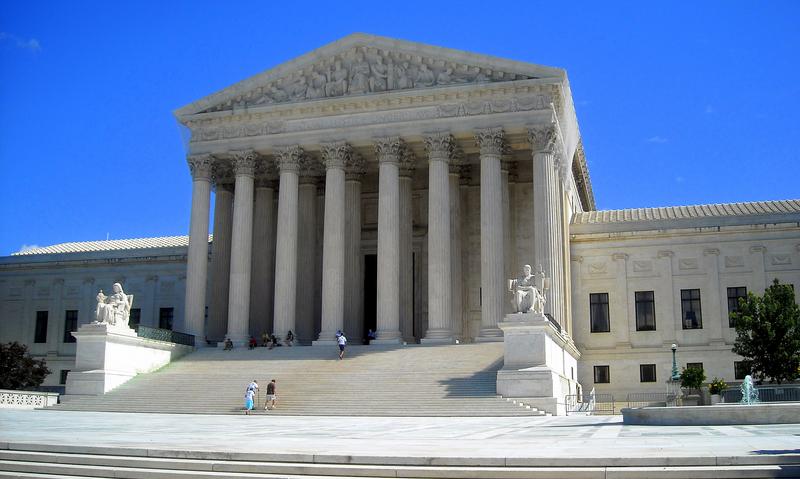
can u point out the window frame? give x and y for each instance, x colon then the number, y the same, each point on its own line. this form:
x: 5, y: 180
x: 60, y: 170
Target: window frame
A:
x: 166, y: 314
x: 649, y: 368
x: 688, y: 306
x: 600, y: 303
x: 40, y: 327
x: 734, y: 307
x: 640, y: 303
x: 70, y: 325
x: 738, y: 366
x: 602, y: 367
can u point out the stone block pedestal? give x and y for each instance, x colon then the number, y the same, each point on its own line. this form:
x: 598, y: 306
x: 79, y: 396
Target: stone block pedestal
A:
x: 108, y: 356
x: 540, y: 363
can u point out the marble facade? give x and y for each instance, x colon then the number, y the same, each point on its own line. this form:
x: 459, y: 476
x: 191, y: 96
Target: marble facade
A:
x: 408, y: 134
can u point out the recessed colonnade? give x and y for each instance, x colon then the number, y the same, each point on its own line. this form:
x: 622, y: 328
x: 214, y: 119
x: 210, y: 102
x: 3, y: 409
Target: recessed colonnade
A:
x: 260, y: 269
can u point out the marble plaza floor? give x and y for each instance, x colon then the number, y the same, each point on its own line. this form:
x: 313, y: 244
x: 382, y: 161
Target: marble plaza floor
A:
x: 481, y: 441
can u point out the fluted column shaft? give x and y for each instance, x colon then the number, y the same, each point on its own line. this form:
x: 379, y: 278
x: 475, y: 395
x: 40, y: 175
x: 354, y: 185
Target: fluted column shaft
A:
x: 241, y: 248
x: 354, y: 281
x: 286, y: 244
x: 262, y: 283
x: 440, y: 282
x: 389, y: 151
x: 197, y: 254
x: 406, y: 254
x: 492, y: 241
x: 544, y: 210
x: 220, y: 262
x: 308, y: 298
x: 456, y: 276
x: 333, y: 247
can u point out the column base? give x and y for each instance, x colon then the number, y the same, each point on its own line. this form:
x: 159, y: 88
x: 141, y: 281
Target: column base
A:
x: 326, y: 342
x: 438, y: 336
x: 490, y: 335
x: 391, y: 342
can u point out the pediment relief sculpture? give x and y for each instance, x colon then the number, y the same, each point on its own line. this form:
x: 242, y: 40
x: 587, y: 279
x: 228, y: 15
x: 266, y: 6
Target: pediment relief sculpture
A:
x: 363, y: 70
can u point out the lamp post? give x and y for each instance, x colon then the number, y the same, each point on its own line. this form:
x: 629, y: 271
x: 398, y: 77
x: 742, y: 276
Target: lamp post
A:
x: 675, y: 374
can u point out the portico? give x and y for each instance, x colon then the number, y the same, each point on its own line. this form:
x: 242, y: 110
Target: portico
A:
x: 379, y: 146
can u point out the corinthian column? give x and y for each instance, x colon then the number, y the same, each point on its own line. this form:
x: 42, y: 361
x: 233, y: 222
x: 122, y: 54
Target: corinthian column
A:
x: 542, y: 140
x: 335, y: 156
x: 440, y: 282
x: 286, y: 248
x: 220, y: 254
x: 389, y: 151
x: 262, y: 282
x: 197, y: 255
x: 354, y: 281
x: 406, y: 169
x: 491, y: 142
x: 244, y: 163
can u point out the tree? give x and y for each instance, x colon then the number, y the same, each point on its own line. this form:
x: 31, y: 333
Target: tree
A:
x: 20, y: 370
x: 768, y: 333
x: 692, y: 378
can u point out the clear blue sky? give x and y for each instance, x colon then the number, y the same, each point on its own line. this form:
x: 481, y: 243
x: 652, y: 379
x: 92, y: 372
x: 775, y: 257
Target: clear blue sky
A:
x: 681, y: 103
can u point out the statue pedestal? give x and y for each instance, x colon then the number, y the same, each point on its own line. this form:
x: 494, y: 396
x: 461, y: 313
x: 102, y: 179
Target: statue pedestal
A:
x: 540, y: 364
x: 108, y: 356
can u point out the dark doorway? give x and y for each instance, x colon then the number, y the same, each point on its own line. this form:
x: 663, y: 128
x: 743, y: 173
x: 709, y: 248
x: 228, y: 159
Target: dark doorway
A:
x: 370, y: 293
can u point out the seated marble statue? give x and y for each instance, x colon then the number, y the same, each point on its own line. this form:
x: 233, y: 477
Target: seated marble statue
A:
x: 115, y: 309
x: 527, y: 297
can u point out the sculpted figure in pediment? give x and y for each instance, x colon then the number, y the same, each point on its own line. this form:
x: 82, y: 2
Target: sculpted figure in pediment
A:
x: 402, y: 80
x: 359, y: 79
x: 296, y: 89
x: 425, y: 76
x: 377, y: 81
x: 316, y: 87
x: 337, y: 80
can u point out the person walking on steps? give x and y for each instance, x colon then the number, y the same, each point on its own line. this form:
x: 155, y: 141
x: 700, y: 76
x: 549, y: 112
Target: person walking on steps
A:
x: 249, y: 393
x: 342, y: 341
x: 272, y: 396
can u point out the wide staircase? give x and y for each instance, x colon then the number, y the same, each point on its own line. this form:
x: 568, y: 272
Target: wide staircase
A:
x: 416, y: 380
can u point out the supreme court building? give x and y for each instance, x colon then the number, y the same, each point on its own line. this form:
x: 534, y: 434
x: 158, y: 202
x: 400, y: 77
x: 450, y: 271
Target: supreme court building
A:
x: 384, y: 184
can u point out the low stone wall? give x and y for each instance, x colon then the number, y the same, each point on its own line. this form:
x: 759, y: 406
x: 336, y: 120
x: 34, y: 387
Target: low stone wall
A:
x: 718, y: 415
x: 26, y: 399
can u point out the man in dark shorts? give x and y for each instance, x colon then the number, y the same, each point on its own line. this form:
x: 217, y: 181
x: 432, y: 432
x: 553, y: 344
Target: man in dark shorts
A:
x: 272, y: 390
x: 342, y: 341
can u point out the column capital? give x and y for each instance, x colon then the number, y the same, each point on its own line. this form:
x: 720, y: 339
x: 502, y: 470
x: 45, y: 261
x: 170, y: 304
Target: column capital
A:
x: 200, y: 166
x: 389, y: 149
x: 407, y: 163
x: 491, y: 141
x: 311, y: 170
x: 244, y: 162
x: 465, y: 175
x: 355, y: 167
x: 543, y: 138
x: 266, y: 174
x: 336, y: 155
x: 221, y: 174
x: 288, y: 158
x: 440, y: 146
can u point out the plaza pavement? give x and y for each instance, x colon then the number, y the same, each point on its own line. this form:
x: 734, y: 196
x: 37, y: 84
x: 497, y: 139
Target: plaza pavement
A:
x: 484, y: 441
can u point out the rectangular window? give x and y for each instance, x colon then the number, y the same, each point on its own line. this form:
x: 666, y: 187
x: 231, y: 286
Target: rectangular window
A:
x: 740, y: 369
x: 694, y: 365
x: 690, y: 309
x: 733, y: 302
x: 40, y: 335
x: 70, y: 325
x: 64, y: 373
x: 645, y: 311
x: 135, y: 318
x: 647, y: 373
x: 602, y: 375
x: 598, y: 313
x: 165, y: 318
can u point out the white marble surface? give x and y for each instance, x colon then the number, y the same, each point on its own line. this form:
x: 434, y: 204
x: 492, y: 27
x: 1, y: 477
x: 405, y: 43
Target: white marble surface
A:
x: 492, y: 440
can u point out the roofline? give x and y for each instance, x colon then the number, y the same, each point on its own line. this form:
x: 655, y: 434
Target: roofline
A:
x: 375, y: 41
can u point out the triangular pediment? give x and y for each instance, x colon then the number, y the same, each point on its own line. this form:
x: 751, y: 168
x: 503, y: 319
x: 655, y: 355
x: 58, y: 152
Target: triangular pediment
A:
x: 361, y: 64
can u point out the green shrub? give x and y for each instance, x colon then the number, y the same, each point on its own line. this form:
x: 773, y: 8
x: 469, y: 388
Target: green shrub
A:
x: 692, y: 378
x: 19, y: 370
